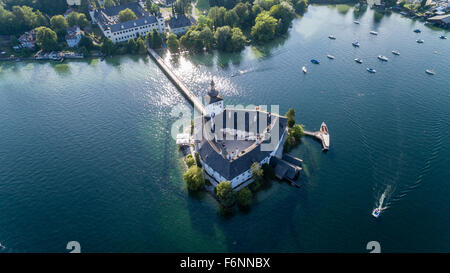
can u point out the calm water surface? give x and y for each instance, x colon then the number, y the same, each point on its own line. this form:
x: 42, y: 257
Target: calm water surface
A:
x: 86, y: 155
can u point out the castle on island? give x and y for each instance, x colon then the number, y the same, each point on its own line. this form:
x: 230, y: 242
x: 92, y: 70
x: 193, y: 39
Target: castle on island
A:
x: 231, y: 140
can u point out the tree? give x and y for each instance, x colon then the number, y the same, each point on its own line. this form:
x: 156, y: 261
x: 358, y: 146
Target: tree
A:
x: 257, y: 175
x: 172, y: 43
x: 291, y: 117
x: 300, y: 6
x: 264, y: 28
x: 225, y: 194
x: 244, y: 198
x: 79, y: 19
x: 155, y: 39
x: 243, y: 12
x: 59, y: 24
x: 190, y: 161
x: 107, y: 47
x: 141, y: 49
x: 223, y: 37
x: 154, y: 9
x: 204, y: 21
x: 285, y: 14
x: 194, y: 178
x: 127, y: 15
x: 46, y: 39
x: 131, y: 46
x: 109, y: 3
x: 237, y: 39
x: 231, y: 18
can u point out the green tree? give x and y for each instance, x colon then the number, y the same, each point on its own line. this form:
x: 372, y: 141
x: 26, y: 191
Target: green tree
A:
x: 231, y: 18
x: 172, y: 43
x: 109, y: 3
x: 46, y: 39
x: 204, y: 21
x: 223, y: 37
x: 264, y: 28
x: 285, y: 14
x: 243, y: 12
x: 194, y: 178
x: 59, y: 24
x: 155, y: 39
x: 290, y: 114
x: 141, y: 49
x: 131, y: 46
x: 79, y: 19
x: 237, y: 39
x: 190, y: 161
x: 244, y: 198
x: 154, y: 9
x: 127, y: 15
x: 107, y: 47
x: 225, y: 193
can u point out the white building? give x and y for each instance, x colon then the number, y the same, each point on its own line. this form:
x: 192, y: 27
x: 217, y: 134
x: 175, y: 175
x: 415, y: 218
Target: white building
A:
x: 73, y: 36
x: 232, y: 140
x: 108, y: 21
x: 179, y: 24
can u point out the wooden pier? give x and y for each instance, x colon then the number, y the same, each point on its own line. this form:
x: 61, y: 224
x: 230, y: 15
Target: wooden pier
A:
x: 177, y: 82
x: 318, y: 136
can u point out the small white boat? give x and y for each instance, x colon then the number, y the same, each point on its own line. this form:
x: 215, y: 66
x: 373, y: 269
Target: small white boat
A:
x: 373, y: 32
x: 420, y: 41
x: 304, y: 69
x: 358, y: 60
x: 355, y: 44
x: 325, y: 136
x: 356, y: 22
x: 371, y: 70
x: 332, y: 37
x: 330, y: 56
x: 430, y: 71
x: 383, y: 58
x: 376, y: 212
x: 395, y: 52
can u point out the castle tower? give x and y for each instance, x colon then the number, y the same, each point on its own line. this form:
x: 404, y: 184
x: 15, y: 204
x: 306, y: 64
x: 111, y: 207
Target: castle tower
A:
x: 213, y: 102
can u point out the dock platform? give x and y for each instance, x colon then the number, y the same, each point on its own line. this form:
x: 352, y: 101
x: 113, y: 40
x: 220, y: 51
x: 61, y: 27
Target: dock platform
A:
x: 318, y: 136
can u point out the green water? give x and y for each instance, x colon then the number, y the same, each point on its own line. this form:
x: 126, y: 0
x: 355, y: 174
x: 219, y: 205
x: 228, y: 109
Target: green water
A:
x: 86, y: 153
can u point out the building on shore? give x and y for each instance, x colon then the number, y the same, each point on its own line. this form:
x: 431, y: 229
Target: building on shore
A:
x: 179, y: 24
x: 231, y: 140
x: 28, y: 39
x: 440, y: 20
x: 73, y: 36
x: 108, y: 21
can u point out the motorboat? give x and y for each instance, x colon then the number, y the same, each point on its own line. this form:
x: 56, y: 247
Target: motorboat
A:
x: 395, y: 52
x: 356, y: 22
x: 355, y: 44
x: 430, y: 71
x: 374, y: 32
x: 330, y: 56
x: 420, y: 41
x: 383, y: 58
x: 376, y: 212
x: 325, y: 136
x: 371, y: 70
x: 443, y: 37
x: 358, y: 60
x: 314, y: 61
x: 304, y: 69
x: 417, y: 30
x: 332, y: 37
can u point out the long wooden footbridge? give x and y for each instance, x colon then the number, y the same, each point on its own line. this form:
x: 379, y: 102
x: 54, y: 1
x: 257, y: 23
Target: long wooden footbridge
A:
x: 177, y: 82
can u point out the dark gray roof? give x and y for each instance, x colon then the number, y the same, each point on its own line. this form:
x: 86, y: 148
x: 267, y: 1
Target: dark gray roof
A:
x: 179, y: 21
x: 209, y: 99
x: 230, y: 169
x: 107, y: 17
x: 134, y: 23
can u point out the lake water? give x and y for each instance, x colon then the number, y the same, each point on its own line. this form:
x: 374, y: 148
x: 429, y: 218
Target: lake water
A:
x: 86, y: 155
